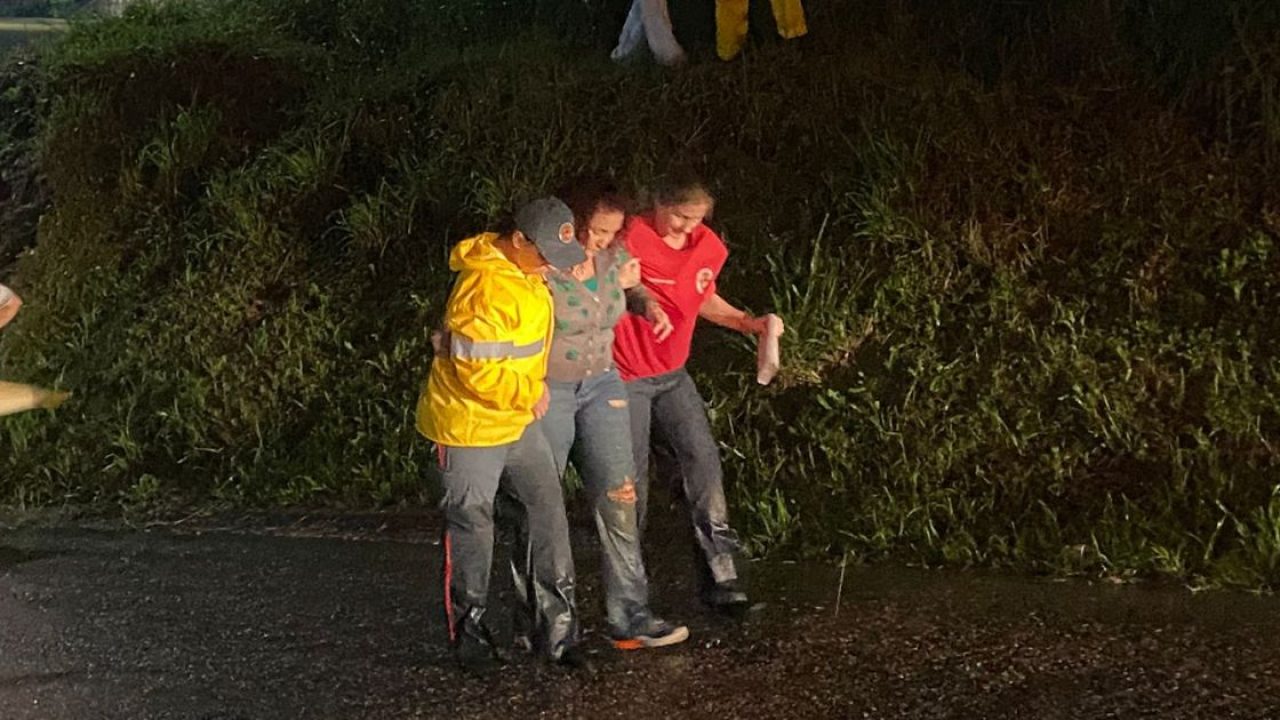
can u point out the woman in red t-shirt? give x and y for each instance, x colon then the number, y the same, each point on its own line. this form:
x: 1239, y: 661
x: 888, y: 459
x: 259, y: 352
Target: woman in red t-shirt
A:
x: 680, y: 259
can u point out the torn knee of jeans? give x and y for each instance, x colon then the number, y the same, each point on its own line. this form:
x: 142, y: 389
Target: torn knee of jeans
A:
x: 618, y: 403
x: 626, y: 493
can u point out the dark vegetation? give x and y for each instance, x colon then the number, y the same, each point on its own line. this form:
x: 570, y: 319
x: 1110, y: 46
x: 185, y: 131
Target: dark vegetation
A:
x: 1026, y: 251
x: 39, y: 8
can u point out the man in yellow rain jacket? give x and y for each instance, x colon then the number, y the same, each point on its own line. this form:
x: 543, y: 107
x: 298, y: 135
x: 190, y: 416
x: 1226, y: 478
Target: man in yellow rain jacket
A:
x: 15, y: 397
x: 482, y: 404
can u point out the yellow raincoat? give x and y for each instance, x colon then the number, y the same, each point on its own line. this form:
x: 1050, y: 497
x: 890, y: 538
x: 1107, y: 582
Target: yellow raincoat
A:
x: 731, y: 23
x: 498, y: 323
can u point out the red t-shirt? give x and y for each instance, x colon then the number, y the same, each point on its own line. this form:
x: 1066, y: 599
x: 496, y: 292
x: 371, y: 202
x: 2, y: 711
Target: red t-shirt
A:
x: 680, y: 280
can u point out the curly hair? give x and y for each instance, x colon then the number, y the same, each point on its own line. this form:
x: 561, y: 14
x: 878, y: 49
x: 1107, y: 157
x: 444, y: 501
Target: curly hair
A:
x: 588, y: 196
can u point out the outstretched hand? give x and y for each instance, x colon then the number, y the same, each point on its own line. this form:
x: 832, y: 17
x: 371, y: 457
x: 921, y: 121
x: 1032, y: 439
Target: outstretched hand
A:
x: 760, y: 325
x: 662, y: 327
x: 782, y: 327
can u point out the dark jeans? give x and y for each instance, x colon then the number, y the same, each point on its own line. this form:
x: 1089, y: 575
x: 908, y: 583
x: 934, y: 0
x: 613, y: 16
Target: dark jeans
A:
x: 588, y: 423
x: 526, y: 471
x: 667, y: 412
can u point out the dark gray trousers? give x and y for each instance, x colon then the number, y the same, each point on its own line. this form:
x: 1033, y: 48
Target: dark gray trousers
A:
x: 526, y: 471
x: 668, y: 412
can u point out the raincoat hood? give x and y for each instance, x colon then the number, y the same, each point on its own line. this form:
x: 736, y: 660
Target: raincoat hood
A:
x: 481, y: 254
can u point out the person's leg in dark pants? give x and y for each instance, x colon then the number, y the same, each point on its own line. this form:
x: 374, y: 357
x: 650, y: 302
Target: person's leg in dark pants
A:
x: 469, y: 478
x: 533, y: 480
x: 667, y: 469
x: 680, y: 422
x: 559, y: 427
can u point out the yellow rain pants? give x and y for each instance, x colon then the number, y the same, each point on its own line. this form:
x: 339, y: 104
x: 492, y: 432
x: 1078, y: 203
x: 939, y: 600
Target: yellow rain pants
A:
x: 731, y: 23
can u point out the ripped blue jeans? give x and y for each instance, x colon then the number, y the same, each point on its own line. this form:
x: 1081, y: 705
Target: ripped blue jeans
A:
x: 589, y: 423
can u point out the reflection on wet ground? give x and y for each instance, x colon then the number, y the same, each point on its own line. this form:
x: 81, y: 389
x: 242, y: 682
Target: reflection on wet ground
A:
x: 339, y: 617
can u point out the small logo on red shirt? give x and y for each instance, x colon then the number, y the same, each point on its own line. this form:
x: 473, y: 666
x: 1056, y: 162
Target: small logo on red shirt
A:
x: 703, y: 280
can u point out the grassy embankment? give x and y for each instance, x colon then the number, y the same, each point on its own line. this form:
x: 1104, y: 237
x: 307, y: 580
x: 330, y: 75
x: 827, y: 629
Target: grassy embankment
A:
x: 1027, y: 258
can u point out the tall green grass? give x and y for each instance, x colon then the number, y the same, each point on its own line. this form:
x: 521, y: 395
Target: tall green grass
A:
x: 1026, y: 271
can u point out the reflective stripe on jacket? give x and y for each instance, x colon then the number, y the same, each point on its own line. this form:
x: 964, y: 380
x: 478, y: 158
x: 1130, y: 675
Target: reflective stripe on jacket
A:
x: 498, y: 321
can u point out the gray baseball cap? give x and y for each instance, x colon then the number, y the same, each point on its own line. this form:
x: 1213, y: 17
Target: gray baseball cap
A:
x: 548, y: 222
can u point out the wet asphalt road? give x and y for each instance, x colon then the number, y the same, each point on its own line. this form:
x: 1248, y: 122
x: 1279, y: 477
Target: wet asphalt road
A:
x: 339, y: 618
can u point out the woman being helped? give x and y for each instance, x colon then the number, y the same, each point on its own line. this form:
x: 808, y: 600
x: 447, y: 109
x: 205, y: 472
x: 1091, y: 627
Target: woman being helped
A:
x: 680, y: 258
x: 588, y: 419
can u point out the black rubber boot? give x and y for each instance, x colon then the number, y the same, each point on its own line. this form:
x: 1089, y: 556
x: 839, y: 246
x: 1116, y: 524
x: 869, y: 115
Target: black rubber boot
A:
x: 726, y: 597
x: 575, y: 660
x: 473, y: 647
